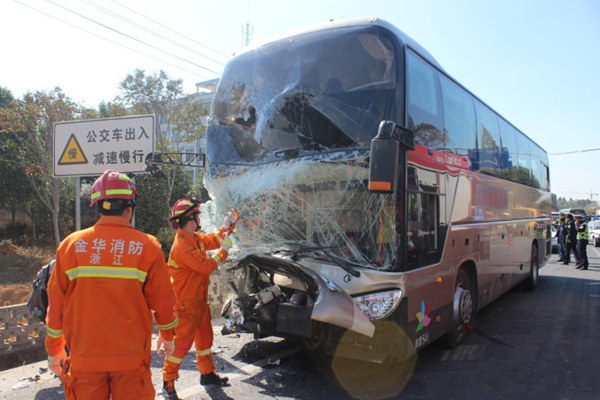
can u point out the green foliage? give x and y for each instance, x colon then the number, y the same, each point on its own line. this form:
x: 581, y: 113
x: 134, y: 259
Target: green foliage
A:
x: 111, y: 110
x: 166, y: 237
x: 5, y: 97
x: 152, y: 211
x: 153, y: 207
x: 26, y: 154
x: 188, y: 120
x: 590, y: 206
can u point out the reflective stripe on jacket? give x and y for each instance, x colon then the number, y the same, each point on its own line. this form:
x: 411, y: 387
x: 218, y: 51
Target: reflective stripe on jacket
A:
x: 107, y: 280
x: 190, y: 264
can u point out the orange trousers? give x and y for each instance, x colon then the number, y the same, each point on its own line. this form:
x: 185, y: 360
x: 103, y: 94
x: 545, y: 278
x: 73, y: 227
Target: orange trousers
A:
x: 194, y: 327
x: 121, y: 385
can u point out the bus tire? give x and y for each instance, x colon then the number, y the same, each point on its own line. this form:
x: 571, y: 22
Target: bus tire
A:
x: 534, y: 270
x: 463, y: 308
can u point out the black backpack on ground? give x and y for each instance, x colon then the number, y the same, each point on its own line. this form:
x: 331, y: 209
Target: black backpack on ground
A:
x: 38, y: 299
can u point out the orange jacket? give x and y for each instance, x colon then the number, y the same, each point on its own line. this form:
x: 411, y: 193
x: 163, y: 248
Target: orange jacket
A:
x: 190, y: 265
x: 107, y: 280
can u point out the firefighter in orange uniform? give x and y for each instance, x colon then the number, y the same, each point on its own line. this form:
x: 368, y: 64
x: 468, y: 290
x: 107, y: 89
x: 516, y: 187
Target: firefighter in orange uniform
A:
x: 190, y: 266
x: 107, y: 280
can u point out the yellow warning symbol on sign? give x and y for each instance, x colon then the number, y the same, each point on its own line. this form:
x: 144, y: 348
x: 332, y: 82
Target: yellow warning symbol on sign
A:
x: 72, y: 154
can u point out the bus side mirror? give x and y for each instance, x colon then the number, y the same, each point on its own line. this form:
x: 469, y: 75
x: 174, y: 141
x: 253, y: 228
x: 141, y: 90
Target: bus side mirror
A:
x: 385, y: 153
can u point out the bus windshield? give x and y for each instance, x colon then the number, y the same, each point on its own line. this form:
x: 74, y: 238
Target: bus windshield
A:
x: 288, y: 144
x: 316, y: 92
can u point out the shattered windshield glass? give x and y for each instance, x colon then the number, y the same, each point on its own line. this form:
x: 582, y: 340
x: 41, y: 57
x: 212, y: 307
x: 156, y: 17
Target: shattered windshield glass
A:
x: 289, y: 140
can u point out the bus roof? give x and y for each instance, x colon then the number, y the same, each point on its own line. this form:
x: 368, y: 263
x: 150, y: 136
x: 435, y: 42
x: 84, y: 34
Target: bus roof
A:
x: 402, y: 37
x: 407, y: 40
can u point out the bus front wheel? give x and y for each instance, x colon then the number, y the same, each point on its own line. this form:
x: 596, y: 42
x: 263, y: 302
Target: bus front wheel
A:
x: 463, y: 308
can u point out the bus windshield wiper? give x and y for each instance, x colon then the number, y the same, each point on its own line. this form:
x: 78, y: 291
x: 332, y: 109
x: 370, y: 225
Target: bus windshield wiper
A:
x: 340, y: 262
x: 344, y: 264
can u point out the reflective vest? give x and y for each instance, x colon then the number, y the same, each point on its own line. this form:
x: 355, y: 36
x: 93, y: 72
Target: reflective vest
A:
x: 585, y: 234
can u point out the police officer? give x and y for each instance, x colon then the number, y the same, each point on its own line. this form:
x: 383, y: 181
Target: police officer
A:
x: 561, y: 236
x: 571, y: 240
x: 583, y: 236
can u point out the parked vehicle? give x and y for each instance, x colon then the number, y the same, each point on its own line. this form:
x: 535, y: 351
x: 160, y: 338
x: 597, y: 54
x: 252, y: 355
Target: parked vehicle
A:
x: 554, y: 239
x: 594, y: 228
x: 573, y: 211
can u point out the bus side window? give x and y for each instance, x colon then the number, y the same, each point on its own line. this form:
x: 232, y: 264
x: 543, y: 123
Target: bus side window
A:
x: 459, y: 119
x: 488, y: 140
x: 509, y: 138
x: 424, y: 105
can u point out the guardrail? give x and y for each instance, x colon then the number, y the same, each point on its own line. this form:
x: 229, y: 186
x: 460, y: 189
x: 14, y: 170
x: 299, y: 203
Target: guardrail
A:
x: 22, y: 335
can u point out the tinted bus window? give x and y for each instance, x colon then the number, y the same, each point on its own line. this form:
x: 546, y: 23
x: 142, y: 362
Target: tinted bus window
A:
x: 524, y: 158
x: 459, y: 118
x: 424, y: 109
x: 488, y: 140
x: 509, y: 150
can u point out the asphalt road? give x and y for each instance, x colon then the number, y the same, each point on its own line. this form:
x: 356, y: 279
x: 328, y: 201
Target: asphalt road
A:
x: 526, y: 345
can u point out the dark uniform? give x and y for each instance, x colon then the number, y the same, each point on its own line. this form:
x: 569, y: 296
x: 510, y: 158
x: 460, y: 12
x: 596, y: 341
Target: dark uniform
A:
x: 571, y: 240
x: 582, y: 242
x: 561, y: 238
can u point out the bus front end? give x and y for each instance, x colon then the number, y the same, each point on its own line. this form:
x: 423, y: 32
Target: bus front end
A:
x: 288, y: 147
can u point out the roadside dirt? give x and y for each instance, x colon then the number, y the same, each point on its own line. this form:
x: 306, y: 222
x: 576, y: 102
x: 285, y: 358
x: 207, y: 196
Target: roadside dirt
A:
x: 18, y: 267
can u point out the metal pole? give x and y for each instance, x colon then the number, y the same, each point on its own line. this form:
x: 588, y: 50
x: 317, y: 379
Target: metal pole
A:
x: 77, y: 203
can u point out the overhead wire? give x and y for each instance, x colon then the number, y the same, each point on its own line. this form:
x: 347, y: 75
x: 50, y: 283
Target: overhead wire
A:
x: 150, y: 31
x: 131, y: 37
x: 172, y: 30
x: 105, y: 38
x: 574, y: 151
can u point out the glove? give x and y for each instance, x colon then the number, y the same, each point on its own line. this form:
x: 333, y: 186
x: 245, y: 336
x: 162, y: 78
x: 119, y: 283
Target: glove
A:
x: 226, y: 243
x: 164, y: 348
x: 55, y: 363
x: 230, y: 220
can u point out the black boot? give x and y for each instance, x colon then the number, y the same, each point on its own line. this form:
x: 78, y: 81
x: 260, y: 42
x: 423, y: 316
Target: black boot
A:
x: 169, y: 391
x: 213, y: 379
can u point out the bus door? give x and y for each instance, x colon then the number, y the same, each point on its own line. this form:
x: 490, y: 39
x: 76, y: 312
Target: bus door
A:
x: 429, y: 284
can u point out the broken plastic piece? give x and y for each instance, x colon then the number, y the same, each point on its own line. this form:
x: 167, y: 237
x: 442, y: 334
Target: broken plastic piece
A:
x: 20, y: 385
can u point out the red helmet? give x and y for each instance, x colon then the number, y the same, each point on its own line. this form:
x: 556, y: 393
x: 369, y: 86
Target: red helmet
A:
x: 184, y: 210
x: 113, y: 185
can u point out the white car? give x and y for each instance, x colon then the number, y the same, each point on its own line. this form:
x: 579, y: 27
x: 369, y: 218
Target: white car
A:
x: 554, y: 241
x: 594, y: 228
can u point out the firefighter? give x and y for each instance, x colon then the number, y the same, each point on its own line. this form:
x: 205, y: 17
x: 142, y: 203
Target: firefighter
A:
x: 583, y: 236
x: 107, y: 281
x: 190, y: 266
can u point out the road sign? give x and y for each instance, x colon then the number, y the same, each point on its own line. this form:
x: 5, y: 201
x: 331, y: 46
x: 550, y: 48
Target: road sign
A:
x: 90, y: 147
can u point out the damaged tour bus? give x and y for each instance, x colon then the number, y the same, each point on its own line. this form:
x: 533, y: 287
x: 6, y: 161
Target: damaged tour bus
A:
x: 382, y: 204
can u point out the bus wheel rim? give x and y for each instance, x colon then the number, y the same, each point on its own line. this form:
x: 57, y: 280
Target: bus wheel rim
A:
x: 463, y: 306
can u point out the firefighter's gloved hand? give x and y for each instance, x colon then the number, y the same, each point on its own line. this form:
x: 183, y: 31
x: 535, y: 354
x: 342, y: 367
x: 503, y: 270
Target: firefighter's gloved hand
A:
x: 226, y: 243
x: 230, y: 220
x: 164, y: 348
x: 55, y: 363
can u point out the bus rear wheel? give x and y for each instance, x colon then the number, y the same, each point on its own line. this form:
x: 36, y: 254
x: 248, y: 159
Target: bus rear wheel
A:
x: 463, y: 308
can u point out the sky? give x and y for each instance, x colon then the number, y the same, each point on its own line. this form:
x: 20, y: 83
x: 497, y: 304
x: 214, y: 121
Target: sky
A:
x: 536, y: 62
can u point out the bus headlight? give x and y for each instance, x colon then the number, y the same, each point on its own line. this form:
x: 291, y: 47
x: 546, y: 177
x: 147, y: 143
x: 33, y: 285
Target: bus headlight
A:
x: 379, y: 305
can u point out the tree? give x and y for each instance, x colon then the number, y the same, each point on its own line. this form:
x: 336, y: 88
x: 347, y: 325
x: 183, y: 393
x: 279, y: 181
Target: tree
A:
x: 16, y: 193
x: 31, y: 123
x: 177, y: 121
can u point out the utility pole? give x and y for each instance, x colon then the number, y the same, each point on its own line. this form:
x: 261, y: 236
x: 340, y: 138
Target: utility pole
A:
x: 247, y: 30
